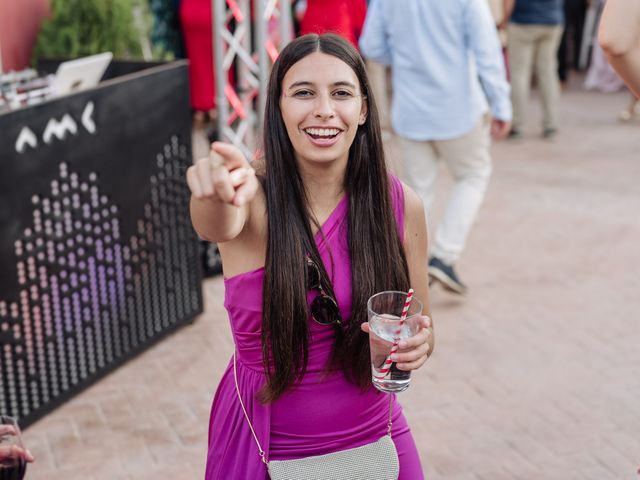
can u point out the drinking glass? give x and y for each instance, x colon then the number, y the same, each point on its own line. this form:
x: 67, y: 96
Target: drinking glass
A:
x: 386, y: 329
x: 13, y: 463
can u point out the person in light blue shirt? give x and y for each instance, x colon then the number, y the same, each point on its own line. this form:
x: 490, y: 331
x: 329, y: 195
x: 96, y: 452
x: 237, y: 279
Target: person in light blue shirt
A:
x: 449, y: 94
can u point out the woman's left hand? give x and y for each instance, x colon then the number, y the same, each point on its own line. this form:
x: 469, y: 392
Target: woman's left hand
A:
x: 413, y: 352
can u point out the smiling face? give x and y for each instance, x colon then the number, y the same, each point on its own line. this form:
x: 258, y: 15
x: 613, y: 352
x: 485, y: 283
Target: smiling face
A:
x: 322, y: 107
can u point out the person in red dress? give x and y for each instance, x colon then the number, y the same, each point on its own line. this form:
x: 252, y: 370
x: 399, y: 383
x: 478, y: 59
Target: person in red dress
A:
x: 342, y: 17
x: 195, y: 19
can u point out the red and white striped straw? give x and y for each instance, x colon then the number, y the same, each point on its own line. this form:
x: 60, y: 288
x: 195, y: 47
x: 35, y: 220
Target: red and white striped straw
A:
x: 386, y: 366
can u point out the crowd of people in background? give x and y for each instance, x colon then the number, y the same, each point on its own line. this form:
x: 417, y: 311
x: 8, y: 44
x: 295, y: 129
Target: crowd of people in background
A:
x: 543, y: 41
x: 574, y: 48
x: 444, y: 110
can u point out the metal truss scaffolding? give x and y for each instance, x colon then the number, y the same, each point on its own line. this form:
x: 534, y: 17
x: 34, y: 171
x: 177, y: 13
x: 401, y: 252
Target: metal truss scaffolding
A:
x: 247, y: 37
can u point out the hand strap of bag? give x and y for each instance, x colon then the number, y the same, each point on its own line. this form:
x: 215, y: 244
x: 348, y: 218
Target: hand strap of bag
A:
x: 261, y: 452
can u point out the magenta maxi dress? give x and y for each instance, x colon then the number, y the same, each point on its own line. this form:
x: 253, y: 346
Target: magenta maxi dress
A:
x: 321, y: 414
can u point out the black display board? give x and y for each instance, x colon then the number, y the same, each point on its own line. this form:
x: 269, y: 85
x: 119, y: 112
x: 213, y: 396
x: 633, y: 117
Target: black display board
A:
x: 98, y: 259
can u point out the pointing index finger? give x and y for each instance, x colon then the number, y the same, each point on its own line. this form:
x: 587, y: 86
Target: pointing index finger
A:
x: 215, y: 159
x: 228, y: 155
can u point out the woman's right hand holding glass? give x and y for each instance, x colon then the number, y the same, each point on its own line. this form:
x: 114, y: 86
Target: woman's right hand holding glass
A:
x: 224, y: 177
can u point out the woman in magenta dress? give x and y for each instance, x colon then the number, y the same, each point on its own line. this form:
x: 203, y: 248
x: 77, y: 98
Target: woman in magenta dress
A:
x: 322, y: 194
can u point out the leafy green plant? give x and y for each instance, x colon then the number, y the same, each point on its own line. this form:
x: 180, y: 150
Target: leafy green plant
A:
x: 84, y: 27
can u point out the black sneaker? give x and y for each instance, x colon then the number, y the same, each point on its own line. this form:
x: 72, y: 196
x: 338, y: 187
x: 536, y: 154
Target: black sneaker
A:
x: 549, y: 133
x: 446, y: 275
x: 515, y: 134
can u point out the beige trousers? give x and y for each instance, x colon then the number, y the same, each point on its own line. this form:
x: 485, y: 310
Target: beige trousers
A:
x: 534, y: 48
x: 468, y: 159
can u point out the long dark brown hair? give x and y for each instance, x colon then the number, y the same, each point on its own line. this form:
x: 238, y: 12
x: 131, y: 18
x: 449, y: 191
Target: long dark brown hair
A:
x: 377, y: 258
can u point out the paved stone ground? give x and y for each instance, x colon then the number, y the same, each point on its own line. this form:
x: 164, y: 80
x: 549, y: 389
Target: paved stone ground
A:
x: 536, y: 373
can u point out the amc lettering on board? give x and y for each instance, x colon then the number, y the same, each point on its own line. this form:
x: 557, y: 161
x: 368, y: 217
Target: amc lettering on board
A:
x: 56, y: 128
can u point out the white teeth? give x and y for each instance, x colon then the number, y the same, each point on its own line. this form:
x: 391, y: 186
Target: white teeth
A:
x: 323, y: 132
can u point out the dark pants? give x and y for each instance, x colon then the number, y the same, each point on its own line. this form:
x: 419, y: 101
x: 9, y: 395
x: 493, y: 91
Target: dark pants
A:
x: 569, y: 50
